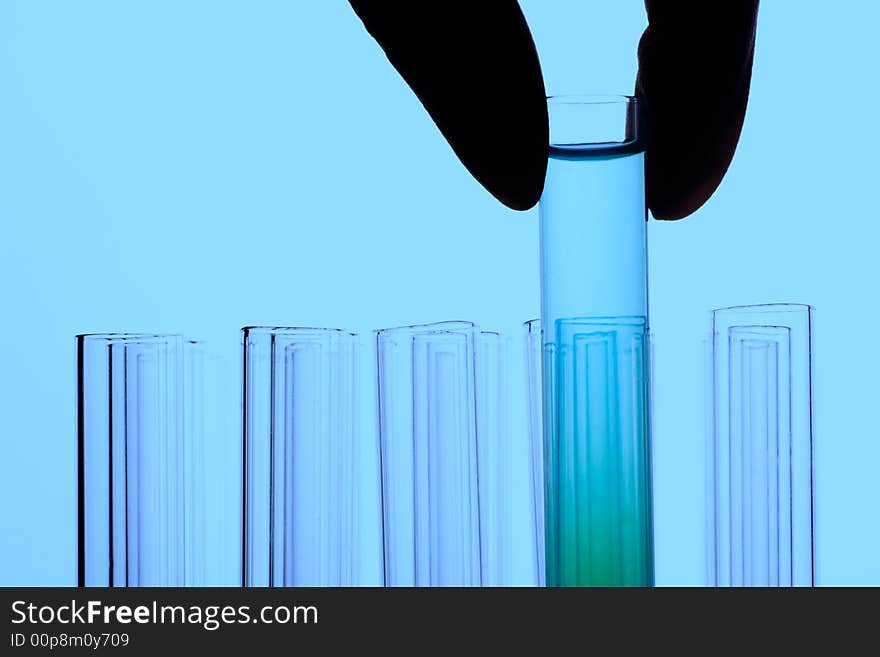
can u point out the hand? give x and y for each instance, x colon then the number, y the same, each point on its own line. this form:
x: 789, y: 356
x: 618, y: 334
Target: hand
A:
x: 474, y: 67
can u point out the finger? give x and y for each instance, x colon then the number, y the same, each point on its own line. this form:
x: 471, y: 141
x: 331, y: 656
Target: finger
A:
x: 474, y: 67
x: 695, y: 67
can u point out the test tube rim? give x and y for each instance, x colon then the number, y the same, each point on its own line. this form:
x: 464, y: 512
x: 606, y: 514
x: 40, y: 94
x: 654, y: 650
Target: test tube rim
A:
x: 296, y: 330
x: 783, y: 306
x: 129, y: 337
x: 450, y: 327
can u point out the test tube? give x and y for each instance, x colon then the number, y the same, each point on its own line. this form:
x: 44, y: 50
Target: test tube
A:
x: 761, y: 520
x: 508, y: 513
x: 594, y: 315
x: 300, y: 471
x: 427, y: 431
x: 140, y: 459
x: 535, y: 407
x: 215, y: 408
x: 197, y: 517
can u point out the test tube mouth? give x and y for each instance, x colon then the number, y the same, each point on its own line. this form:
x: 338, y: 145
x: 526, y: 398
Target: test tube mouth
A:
x: 449, y: 326
x: 128, y: 336
x: 296, y: 330
x: 784, y: 306
x: 591, y: 122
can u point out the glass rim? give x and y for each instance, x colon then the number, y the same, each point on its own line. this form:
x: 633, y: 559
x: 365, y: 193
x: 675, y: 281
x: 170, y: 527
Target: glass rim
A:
x: 296, y: 330
x: 451, y: 326
x: 782, y: 306
x: 581, y: 123
x: 128, y: 336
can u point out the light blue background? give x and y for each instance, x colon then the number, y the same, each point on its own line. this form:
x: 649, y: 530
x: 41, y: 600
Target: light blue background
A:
x: 198, y: 166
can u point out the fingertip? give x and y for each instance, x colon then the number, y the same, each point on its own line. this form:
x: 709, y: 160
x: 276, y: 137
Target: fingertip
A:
x: 695, y: 71
x: 475, y: 69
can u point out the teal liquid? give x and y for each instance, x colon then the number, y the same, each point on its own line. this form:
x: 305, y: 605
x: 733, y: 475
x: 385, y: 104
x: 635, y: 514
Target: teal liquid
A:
x: 598, y: 519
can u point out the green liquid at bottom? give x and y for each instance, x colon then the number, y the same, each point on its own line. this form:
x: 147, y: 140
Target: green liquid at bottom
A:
x: 598, y: 516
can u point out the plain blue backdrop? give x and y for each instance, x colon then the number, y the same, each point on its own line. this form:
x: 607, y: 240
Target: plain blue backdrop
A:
x: 198, y: 166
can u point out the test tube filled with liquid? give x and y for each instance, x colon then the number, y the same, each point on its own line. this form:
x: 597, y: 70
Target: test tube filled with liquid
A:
x: 594, y: 313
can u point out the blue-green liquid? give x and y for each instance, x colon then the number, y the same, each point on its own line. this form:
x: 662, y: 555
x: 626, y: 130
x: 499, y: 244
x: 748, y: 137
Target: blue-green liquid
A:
x: 594, y: 316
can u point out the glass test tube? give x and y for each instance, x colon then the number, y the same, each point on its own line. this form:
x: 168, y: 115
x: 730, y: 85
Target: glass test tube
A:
x: 508, y: 514
x: 197, y: 522
x: 535, y: 406
x: 215, y: 409
x: 427, y: 431
x: 140, y: 461
x: 761, y: 524
x: 494, y: 471
x: 300, y: 472
x: 598, y: 518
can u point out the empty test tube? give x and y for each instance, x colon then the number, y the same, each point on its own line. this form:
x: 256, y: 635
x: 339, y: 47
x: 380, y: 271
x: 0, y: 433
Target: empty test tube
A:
x: 511, y: 500
x: 761, y: 518
x: 427, y: 430
x: 140, y: 461
x: 535, y: 408
x: 300, y: 472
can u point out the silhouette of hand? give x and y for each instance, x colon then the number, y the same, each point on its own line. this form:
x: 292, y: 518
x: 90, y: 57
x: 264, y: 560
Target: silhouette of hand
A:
x: 474, y: 67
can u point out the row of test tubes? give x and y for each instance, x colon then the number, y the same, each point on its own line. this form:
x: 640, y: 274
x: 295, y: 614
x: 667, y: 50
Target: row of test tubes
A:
x: 169, y: 495
x: 149, y: 454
